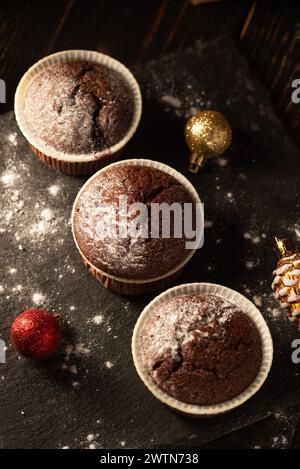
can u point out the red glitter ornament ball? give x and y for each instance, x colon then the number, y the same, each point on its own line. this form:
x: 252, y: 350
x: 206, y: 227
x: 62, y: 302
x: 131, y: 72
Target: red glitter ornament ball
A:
x: 36, y: 334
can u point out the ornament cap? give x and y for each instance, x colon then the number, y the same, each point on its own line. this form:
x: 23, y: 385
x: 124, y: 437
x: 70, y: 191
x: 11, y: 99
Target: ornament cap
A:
x: 58, y: 317
x: 197, y: 160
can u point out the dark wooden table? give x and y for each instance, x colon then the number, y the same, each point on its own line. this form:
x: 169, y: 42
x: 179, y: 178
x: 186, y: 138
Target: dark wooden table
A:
x: 138, y: 32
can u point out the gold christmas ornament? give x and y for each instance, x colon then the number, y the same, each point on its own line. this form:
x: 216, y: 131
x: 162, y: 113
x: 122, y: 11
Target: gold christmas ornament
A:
x: 286, y: 283
x: 208, y: 134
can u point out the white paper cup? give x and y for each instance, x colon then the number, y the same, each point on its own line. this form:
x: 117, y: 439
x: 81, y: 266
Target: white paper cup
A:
x: 136, y: 286
x: 247, y: 307
x: 76, y: 164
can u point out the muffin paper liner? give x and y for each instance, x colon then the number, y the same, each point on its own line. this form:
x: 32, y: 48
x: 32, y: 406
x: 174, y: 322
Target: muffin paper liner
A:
x: 138, y: 286
x: 73, y: 164
x: 247, y: 307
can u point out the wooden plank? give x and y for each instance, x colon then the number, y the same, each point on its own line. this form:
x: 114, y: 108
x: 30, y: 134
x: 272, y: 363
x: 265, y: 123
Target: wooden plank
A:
x: 25, y: 32
x: 268, y: 38
x: 183, y: 23
x: 133, y: 32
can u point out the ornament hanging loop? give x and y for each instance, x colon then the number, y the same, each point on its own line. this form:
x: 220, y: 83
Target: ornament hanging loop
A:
x: 197, y: 160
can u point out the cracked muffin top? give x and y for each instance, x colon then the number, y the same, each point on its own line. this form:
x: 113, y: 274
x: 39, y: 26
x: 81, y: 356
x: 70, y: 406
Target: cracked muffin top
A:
x: 201, y: 349
x: 99, y: 219
x: 79, y: 107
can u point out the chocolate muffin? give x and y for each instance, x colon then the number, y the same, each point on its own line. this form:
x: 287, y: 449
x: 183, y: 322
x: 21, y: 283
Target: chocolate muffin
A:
x: 136, y: 255
x: 79, y: 107
x: 201, y: 349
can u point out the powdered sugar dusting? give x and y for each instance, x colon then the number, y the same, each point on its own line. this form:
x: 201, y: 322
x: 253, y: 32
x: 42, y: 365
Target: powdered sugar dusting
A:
x: 102, y: 214
x: 98, y: 319
x: 30, y: 223
x: 12, y: 138
x: 73, y: 117
x: 27, y: 217
x: 54, y: 190
x: 38, y: 298
x: 9, y: 177
x: 172, y: 101
x: 175, y: 322
x: 77, y: 349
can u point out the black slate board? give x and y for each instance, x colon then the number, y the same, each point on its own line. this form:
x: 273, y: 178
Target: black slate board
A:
x: 250, y: 195
x: 279, y: 431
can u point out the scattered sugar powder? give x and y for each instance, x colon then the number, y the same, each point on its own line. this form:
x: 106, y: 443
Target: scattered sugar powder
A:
x: 76, y: 384
x: 81, y: 349
x: 257, y: 300
x: 208, y: 224
x: 77, y: 349
x: 25, y: 216
x: 73, y: 369
x: 108, y: 364
x: 172, y: 101
x: 43, y: 225
x: 54, y: 190
x: 8, y: 178
x: 254, y: 238
x: 12, y: 138
x: 47, y: 214
x: 221, y: 162
x: 38, y: 298
x: 250, y: 264
x: 276, y: 313
x: 279, y: 441
x: 98, y: 319
x: 192, y: 111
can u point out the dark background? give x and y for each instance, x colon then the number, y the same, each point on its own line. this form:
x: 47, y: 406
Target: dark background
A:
x: 138, y: 31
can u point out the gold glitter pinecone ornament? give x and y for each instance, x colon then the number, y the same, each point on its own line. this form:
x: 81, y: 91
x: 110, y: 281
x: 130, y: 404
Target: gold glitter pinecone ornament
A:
x: 208, y: 134
x: 286, y: 283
